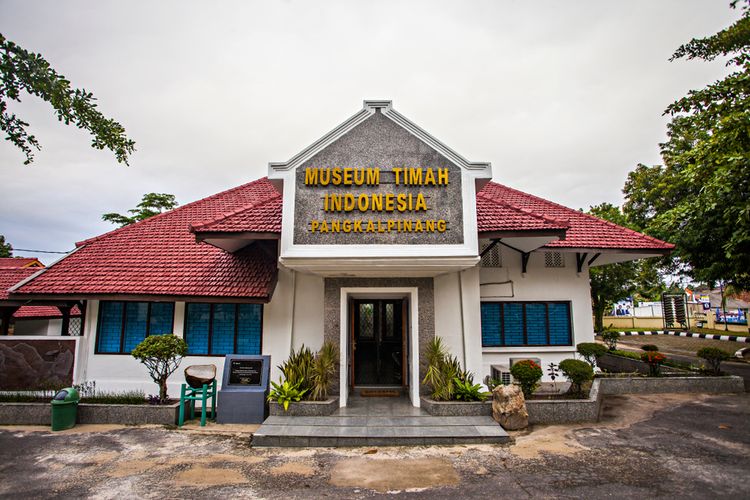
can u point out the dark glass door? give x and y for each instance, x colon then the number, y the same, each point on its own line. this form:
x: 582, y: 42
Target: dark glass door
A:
x: 378, y: 342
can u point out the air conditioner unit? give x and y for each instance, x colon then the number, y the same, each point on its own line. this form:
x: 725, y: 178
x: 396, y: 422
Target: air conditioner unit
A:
x: 501, y: 373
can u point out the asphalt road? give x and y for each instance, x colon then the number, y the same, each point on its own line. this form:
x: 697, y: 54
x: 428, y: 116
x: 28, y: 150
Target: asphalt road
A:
x: 661, y: 446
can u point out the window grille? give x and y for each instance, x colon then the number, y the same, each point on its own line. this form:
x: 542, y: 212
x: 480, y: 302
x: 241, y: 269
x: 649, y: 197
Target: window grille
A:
x: 75, y: 327
x: 493, y: 258
x: 554, y: 259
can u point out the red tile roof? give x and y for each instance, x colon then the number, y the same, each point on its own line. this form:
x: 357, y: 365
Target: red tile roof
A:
x: 9, y: 276
x: 261, y: 217
x: 16, y: 262
x: 43, y: 312
x: 586, y: 231
x: 159, y: 257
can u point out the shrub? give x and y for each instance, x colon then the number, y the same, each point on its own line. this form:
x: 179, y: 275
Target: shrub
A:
x: 591, y: 351
x: 465, y: 390
x: 654, y: 360
x: 627, y: 354
x: 443, y: 372
x: 162, y: 355
x: 323, y: 370
x: 285, y: 392
x: 491, y: 383
x: 578, y: 372
x: 650, y: 347
x: 713, y: 356
x: 298, y: 369
x: 527, y: 374
x: 611, y: 337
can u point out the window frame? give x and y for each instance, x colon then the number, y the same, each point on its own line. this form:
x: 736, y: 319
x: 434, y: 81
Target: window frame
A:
x: 124, y: 321
x: 211, y: 327
x: 523, y: 303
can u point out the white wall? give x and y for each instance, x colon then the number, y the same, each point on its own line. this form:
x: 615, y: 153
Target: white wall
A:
x: 541, y: 284
x: 49, y: 327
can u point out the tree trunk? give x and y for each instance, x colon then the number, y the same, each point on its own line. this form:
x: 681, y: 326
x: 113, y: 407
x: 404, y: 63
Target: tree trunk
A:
x: 598, y: 315
x: 163, y: 390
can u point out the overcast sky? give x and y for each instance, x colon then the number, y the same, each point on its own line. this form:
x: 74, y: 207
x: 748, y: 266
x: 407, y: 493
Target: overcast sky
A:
x: 563, y: 98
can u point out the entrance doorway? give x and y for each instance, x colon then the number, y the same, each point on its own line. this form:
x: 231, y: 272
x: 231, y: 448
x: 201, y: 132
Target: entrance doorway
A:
x: 378, y: 342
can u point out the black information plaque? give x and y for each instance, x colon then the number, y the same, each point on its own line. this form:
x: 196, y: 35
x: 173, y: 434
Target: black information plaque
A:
x: 245, y: 372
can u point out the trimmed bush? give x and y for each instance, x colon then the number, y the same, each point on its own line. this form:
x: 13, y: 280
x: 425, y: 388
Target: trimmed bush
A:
x: 650, y: 347
x: 713, y: 356
x: 578, y: 372
x: 591, y: 351
x: 527, y: 374
x: 162, y: 355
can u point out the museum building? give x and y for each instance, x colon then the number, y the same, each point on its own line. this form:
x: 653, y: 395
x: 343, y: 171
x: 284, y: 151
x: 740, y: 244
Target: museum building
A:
x: 377, y: 237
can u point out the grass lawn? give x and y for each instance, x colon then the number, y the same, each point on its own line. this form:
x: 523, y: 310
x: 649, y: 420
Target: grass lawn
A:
x: 712, y: 331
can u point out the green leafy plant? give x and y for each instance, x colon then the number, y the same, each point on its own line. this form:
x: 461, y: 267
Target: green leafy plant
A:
x: 442, y: 371
x: 162, y: 355
x: 611, y: 337
x: 323, y: 370
x: 650, y: 347
x: 578, y: 372
x: 591, y: 351
x: 713, y: 356
x: 285, y: 392
x: 527, y: 374
x: 298, y: 368
x: 491, y: 383
x: 654, y: 360
x: 466, y: 390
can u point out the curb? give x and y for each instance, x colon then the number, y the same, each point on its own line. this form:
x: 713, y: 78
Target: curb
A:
x: 731, y: 338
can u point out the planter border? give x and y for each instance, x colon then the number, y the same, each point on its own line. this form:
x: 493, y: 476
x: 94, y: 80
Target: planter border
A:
x: 569, y: 411
x: 88, y: 413
x: 305, y: 408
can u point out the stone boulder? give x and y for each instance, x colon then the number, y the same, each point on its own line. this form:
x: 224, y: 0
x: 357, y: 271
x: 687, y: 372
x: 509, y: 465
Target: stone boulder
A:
x: 509, y: 407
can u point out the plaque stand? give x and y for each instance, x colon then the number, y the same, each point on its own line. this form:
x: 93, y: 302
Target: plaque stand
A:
x: 244, y: 389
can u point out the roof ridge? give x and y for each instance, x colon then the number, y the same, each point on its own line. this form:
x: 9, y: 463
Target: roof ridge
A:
x: 227, y: 215
x: 160, y: 215
x: 582, y: 213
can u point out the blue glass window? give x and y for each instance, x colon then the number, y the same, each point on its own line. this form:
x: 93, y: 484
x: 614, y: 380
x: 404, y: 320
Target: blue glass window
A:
x: 508, y: 324
x: 219, y: 329
x: 124, y: 325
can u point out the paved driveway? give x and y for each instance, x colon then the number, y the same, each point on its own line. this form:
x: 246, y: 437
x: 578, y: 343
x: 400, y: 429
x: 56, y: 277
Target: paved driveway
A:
x: 646, y: 446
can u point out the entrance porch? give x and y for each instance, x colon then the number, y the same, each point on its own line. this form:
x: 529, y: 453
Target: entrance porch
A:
x: 377, y: 421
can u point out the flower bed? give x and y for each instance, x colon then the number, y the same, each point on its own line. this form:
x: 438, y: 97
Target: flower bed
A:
x: 40, y: 414
x: 305, y: 408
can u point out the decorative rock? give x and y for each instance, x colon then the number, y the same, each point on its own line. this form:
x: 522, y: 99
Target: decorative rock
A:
x: 509, y: 407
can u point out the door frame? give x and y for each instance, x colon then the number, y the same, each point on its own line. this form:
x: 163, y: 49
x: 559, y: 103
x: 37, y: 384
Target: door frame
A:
x: 409, y: 293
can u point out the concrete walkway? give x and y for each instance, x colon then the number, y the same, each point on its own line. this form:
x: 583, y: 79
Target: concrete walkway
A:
x: 378, y: 422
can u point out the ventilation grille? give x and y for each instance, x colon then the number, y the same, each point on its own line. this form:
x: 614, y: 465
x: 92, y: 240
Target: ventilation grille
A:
x: 501, y: 373
x: 554, y: 259
x: 493, y: 258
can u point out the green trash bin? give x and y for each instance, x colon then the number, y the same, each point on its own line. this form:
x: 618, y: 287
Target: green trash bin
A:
x: 65, y: 409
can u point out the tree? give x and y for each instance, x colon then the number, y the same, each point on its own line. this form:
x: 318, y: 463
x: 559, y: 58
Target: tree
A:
x: 699, y: 199
x: 162, y: 355
x: 151, y: 204
x: 22, y: 70
x: 611, y: 282
x: 6, y: 249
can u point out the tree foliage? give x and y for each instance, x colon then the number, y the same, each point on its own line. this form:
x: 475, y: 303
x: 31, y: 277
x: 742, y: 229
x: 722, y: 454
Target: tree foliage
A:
x: 162, y: 355
x: 151, y: 204
x: 6, y: 249
x: 700, y: 198
x: 21, y: 71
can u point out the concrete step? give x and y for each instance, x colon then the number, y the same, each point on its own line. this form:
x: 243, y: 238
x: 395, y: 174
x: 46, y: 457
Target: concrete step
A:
x: 377, y: 431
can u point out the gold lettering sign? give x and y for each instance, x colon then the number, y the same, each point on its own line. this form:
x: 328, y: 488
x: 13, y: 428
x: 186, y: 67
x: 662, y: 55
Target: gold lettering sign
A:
x: 376, y: 203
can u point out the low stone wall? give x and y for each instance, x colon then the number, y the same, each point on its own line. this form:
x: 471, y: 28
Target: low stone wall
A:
x: 40, y: 414
x: 456, y: 408
x: 305, y: 408
x: 661, y: 385
x: 566, y: 411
